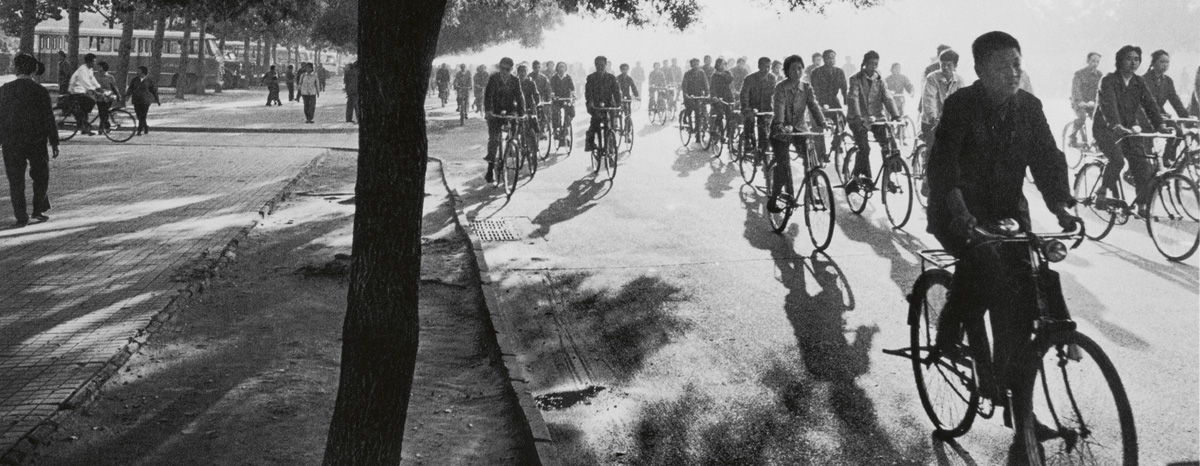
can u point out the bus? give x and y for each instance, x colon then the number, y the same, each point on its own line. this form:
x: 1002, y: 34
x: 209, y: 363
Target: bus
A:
x: 105, y: 44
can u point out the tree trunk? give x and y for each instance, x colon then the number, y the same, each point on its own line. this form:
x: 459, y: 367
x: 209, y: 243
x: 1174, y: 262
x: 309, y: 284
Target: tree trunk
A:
x: 270, y: 58
x: 28, y: 24
x: 397, y: 44
x: 247, y: 73
x: 156, y: 46
x: 221, y: 54
x: 260, y: 58
x: 73, y: 33
x: 181, y: 73
x: 128, y: 18
x: 203, y: 70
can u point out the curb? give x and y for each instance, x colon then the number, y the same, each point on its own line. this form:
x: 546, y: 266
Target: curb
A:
x: 505, y: 336
x: 25, y: 450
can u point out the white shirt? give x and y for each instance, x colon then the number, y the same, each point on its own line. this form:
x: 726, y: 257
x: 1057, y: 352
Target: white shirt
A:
x: 937, y: 88
x: 83, y: 80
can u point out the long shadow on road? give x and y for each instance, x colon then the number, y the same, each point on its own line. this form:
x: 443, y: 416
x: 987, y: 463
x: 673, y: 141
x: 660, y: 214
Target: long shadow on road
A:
x: 578, y: 200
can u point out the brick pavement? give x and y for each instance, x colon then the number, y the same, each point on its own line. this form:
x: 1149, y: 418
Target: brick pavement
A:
x: 126, y: 219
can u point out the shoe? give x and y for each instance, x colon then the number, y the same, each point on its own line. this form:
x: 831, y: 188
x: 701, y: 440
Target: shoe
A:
x: 487, y: 177
x: 866, y: 184
x: 1142, y: 211
x: 589, y: 146
x: 309, y: 121
x: 21, y: 224
x: 773, y: 206
x: 40, y: 217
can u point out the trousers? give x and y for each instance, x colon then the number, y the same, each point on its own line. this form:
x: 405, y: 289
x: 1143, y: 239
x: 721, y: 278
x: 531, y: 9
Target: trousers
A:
x: 18, y: 157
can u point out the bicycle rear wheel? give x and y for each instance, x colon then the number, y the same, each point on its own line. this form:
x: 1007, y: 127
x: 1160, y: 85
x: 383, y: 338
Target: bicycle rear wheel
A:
x: 1072, y: 407
x: 1074, y: 153
x: 1097, y: 222
x: 749, y: 160
x: 897, y: 191
x: 685, y: 128
x: 947, y: 388
x: 842, y: 145
x: 512, y: 165
x: 121, y: 126
x: 920, y: 159
x: 1174, y: 221
x: 857, y: 200
x: 819, y: 212
x: 67, y: 127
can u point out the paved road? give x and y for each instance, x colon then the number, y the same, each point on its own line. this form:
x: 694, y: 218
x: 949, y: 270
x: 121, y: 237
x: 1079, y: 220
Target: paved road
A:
x: 715, y: 339
x: 127, y: 221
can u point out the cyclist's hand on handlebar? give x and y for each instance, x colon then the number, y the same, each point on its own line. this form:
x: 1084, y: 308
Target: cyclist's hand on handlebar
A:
x: 1121, y: 130
x: 1066, y: 219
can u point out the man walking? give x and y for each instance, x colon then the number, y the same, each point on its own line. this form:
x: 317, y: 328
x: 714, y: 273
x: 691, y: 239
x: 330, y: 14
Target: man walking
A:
x: 309, y: 90
x: 142, y: 92
x: 289, y: 77
x: 350, y: 79
x: 26, y: 125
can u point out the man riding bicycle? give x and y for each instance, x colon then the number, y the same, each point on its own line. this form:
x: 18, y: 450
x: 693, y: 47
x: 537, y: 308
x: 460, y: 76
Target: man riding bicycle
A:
x: 83, y: 90
x: 721, y: 87
x: 658, y: 87
x: 543, y: 90
x: 462, y: 87
x: 600, y: 91
x: 938, y: 86
x: 758, y: 90
x: 866, y: 101
x: 695, y: 83
x: 1162, y: 88
x: 502, y: 94
x: 990, y: 133
x: 562, y: 87
x: 629, y: 91
x: 1085, y: 86
x: 792, y: 97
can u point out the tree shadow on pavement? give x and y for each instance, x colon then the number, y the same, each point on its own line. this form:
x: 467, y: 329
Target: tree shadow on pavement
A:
x: 578, y: 200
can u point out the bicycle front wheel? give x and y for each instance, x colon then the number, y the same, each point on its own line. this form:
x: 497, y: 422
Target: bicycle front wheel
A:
x: 785, y: 201
x: 685, y: 128
x: 857, y: 200
x: 121, y: 126
x: 1073, y: 152
x: 819, y: 212
x: 1072, y: 407
x: 920, y: 159
x: 610, y: 154
x: 1097, y: 222
x: 947, y: 388
x: 897, y: 191
x: 1174, y: 220
x: 67, y: 128
x: 512, y: 165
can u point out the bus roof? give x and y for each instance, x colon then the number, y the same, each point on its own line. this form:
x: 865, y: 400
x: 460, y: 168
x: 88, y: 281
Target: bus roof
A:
x: 106, y: 32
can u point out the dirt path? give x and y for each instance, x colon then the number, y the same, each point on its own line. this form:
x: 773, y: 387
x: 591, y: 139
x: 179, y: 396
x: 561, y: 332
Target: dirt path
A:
x: 246, y: 373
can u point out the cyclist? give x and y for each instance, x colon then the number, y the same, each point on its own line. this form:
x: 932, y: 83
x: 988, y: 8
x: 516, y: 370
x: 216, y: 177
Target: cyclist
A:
x: 816, y: 63
x: 530, y: 98
x: 638, y: 74
x: 480, y: 80
x: 1084, y: 88
x: 938, y: 86
x: 866, y: 101
x: 675, y: 72
x: 739, y: 72
x: 695, y: 83
x: 1162, y: 88
x: 629, y: 91
x: 601, y: 90
x: 721, y: 86
x: 828, y: 81
x: 462, y: 86
x: 792, y: 97
x: 777, y: 70
x: 110, y: 94
x: 82, y: 87
x: 561, y: 87
x: 502, y: 94
x: 899, y: 85
x: 443, y: 83
x: 757, y: 94
x: 1123, y: 95
x: 936, y: 65
x: 990, y: 133
x: 707, y: 67
x: 658, y: 86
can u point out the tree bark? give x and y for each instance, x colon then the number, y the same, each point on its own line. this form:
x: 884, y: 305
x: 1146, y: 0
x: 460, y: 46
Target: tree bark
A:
x: 156, y: 46
x: 128, y: 18
x: 397, y: 44
x: 199, y: 89
x: 247, y: 73
x: 73, y: 33
x: 181, y: 73
x: 260, y: 58
x: 28, y: 24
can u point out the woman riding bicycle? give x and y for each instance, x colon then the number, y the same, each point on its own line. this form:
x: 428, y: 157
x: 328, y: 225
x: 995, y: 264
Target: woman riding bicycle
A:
x: 792, y: 97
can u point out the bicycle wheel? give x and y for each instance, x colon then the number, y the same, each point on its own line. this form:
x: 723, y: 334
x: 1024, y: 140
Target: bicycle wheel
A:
x: 610, y: 153
x: 716, y: 145
x: 1174, y: 220
x: 512, y: 165
x: 786, y: 199
x: 685, y: 128
x: 819, y: 212
x: 627, y: 138
x: 920, y: 159
x: 1097, y: 222
x: 67, y: 128
x: 1072, y: 407
x: 548, y: 135
x: 947, y: 388
x: 844, y: 143
x: 908, y: 132
x: 1074, y: 153
x: 121, y: 126
x: 749, y: 160
x: 857, y: 200
x: 897, y: 191
x: 531, y: 156
x: 702, y: 137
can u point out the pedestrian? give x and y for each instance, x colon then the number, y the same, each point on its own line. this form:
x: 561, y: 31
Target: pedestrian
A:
x: 350, y: 79
x: 26, y: 125
x: 322, y: 75
x: 289, y: 77
x: 309, y: 91
x: 271, y: 79
x: 109, y: 93
x: 64, y: 73
x: 142, y: 92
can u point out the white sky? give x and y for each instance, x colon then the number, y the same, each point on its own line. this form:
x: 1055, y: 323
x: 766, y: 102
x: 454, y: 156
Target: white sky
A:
x: 904, y: 31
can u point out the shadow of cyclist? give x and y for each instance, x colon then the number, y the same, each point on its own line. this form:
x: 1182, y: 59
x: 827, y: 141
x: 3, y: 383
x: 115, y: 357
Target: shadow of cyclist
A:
x: 579, y: 199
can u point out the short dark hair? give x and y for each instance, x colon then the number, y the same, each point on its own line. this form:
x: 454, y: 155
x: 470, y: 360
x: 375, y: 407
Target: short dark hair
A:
x: 1090, y: 54
x: 147, y: 70
x: 1158, y: 54
x: 25, y: 64
x: 949, y: 55
x: 788, y: 62
x: 766, y: 60
x: 869, y: 55
x: 1126, y: 49
x: 827, y: 53
x: 991, y: 42
x: 91, y: 57
x: 103, y: 65
x: 601, y: 58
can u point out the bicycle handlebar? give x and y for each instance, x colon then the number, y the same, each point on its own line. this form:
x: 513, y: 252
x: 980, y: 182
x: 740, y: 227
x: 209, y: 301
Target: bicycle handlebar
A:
x: 1011, y: 235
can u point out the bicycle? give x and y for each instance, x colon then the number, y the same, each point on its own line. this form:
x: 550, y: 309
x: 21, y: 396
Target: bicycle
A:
x: 120, y: 128
x: 463, y: 107
x: 605, y: 153
x: 546, y: 130
x: 841, y: 137
x: 562, y: 127
x: 908, y: 130
x: 508, y: 166
x: 1173, y: 217
x: 751, y: 150
x: 894, y: 177
x: 693, y: 125
x: 1083, y: 145
x: 625, y: 131
x: 817, y: 198
x: 1050, y: 369
x: 529, y: 143
x: 658, y: 108
x: 920, y: 163
x: 720, y: 132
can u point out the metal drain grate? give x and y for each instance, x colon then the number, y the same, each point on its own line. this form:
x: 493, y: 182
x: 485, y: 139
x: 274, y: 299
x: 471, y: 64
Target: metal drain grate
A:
x: 495, y: 230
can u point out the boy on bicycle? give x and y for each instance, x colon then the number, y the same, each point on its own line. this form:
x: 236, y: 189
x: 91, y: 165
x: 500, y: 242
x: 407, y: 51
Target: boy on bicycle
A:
x: 601, y: 90
x: 721, y: 86
x: 990, y: 132
x: 867, y: 99
x: 695, y: 83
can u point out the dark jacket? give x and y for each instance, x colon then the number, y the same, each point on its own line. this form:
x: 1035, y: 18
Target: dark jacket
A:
x: 142, y: 91
x: 695, y: 82
x: 721, y: 85
x: 350, y: 79
x: 529, y: 92
x: 757, y: 91
x: 271, y: 80
x: 827, y: 82
x: 563, y: 86
x: 1119, y: 104
x: 628, y: 87
x: 601, y: 88
x: 983, y: 150
x: 1085, y: 86
x: 1162, y: 88
x: 503, y: 94
x: 26, y: 117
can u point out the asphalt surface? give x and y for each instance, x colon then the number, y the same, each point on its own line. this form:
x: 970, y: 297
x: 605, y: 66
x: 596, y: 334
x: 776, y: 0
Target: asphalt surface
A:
x: 678, y: 327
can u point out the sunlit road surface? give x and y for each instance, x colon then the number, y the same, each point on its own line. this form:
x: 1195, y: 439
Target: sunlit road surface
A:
x: 715, y: 339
